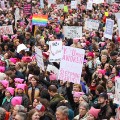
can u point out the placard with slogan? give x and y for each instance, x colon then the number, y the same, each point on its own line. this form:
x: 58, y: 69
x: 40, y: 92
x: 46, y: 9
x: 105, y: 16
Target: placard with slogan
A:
x: 39, y: 58
x: 89, y: 5
x: 91, y: 24
x: 117, y: 90
x: 73, y: 4
x: 71, y: 64
x: 55, y: 49
x: 60, y: 6
x: 27, y: 9
x: 6, y: 30
x: 109, y: 28
x: 72, y: 31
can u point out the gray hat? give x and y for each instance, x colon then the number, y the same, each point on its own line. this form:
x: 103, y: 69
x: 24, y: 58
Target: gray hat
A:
x: 85, y: 105
x: 85, y: 98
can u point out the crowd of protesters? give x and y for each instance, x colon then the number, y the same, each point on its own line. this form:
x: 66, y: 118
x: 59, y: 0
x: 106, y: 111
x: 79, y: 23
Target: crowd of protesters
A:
x: 29, y: 93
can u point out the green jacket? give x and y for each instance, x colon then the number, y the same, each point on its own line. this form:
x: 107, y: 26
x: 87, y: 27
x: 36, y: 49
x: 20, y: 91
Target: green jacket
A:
x: 54, y: 101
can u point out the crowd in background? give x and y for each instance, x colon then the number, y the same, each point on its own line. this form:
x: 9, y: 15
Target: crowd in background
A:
x: 29, y: 93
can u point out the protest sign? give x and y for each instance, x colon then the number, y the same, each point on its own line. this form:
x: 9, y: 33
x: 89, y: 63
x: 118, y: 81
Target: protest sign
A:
x: 65, y: 8
x: 89, y: 5
x: 27, y: 9
x: 72, y: 31
x: 117, y: 15
x: 17, y: 15
x: 6, y: 30
x: 71, y: 64
x: 117, y: 90
x: 106, y: 14
x: 39, y: 20
x: 55, y: 49
x: 78, y: 1
x: 41, y: 4
x: 91, y: 24
x: 52, y: 68
x: 39, y: 58
x: 73, y: 4
x: 119, y: 26
x: 109, y: 28
x: 60, y: 6
x: 2, y: 2
x: 51, y: 2
x: 96, y: 1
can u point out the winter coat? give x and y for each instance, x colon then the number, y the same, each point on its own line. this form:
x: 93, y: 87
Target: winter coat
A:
x: 34, y: 92
x: 83, y: 118
x: 74, y: 105
x: 105, y: 113
x: 2, y: 95
x: 6, y: 104
x: 55, y: 100
x: 25, y: 100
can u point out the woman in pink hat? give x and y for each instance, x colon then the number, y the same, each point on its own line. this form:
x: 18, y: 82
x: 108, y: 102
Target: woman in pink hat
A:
x: 20, y: 92
x: 93, y: 114
x: 3, y: 85
x: 6, y: 104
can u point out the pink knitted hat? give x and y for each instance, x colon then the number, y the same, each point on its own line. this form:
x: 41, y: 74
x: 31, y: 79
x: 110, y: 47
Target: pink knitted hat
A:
x: 75, y: 40
x: 13, y: 60
x: 26, y: 59
x: 90, y: 54
x: 57, y: 30
x: 2, y: 69
x: 5, y: 37
x: 19, y: 80
x: 11, y: 90
x: 94, y: 112
x: 78, y: 94
x: 16, y: 101
x: 52, y: 77
x: 101, y: 71
x: 5, y: 83
x: 21, y: 86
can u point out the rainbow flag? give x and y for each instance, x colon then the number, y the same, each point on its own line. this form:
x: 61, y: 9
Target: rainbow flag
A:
x: 39, y: 20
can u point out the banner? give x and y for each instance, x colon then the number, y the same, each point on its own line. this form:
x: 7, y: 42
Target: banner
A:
x: 55, y: 49
x: 27, y: 9
x: 39, y: 58
x: 6, y: 30
x: 60, y: 6
x: 39, y: 20
x: 72, y: 31
x: 91, y: 24
x: 109, y: 28
x: 73, y: 4
x: 89, y: 5
x: 71, y: 64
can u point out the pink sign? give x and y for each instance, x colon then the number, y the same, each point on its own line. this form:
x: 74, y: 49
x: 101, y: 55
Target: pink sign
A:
x: 6, y: 30
x: 71, y: 64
